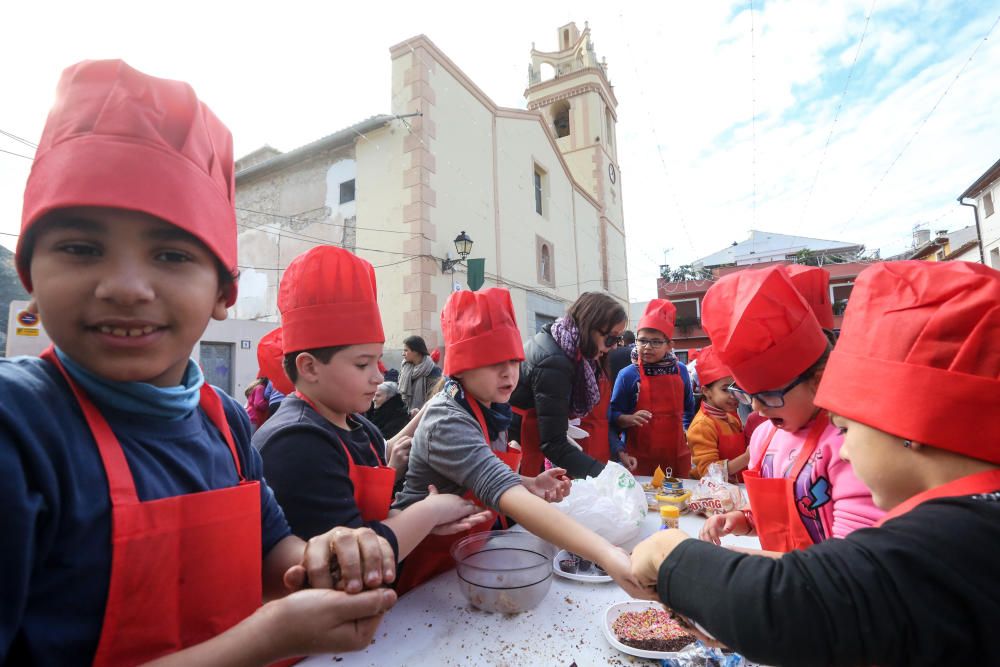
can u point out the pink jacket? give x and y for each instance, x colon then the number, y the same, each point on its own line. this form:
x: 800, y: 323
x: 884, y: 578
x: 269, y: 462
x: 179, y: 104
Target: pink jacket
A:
x: 257, y: 406
x: 832, y: 501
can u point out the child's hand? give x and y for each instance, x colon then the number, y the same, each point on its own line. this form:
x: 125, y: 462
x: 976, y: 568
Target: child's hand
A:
x: 552, y: 485
x: 454, y: 513
x: 348, y: 559
x: 639, y: 418
x: 322, y: 621
x: 399, y: 454
x: 616, y: 563
x: 718, y: 526
x: 629, y: 461
x: 649, y: 554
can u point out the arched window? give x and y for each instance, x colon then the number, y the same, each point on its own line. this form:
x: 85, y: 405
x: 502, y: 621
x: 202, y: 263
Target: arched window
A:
x: 565, y: 39
x: 610, y: 139
x: 560, y: 118
x: 545, y: 263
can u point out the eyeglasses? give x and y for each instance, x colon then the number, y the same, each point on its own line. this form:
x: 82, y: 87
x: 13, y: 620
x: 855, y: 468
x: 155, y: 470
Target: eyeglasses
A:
x: 771, y: 399
x: 656, y: 344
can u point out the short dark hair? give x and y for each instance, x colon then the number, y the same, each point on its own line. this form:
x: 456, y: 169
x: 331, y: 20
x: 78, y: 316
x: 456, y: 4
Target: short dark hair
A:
x: 417, y: 344
x: 324, y: 354
x: 628, y: 337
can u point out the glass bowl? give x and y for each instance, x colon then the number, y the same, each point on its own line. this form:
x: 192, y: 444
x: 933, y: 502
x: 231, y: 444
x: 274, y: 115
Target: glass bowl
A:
x: 503, y: 571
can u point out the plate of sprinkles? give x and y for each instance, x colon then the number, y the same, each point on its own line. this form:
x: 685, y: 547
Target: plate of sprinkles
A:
x: 644, y: 629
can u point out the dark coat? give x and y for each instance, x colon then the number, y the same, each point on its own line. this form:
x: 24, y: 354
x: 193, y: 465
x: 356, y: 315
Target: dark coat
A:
x: 546, y: 384
x: 390, y: 417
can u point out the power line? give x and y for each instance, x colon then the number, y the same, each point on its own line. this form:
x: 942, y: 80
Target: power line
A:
x: 26, y: 157
x: 292, y: 218
x: 27, y: 143
x: 753, y: 120
x: 836, y: 115
x: 922, y: 123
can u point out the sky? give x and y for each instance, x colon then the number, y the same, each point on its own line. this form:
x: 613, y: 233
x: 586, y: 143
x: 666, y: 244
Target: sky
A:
x: 851, y: 120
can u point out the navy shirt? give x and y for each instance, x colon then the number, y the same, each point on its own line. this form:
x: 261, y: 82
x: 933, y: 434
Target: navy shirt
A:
x: 307, y: 467
x: 625, y: 396
x: 56, y: 522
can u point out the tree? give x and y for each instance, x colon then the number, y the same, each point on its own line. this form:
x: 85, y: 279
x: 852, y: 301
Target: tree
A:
x: 684, y: 272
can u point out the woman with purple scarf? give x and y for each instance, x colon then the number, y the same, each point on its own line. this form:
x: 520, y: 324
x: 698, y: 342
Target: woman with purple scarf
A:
x: 559, y: 381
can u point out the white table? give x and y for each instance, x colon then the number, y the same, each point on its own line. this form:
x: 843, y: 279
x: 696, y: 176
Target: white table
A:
x: 435, y: 625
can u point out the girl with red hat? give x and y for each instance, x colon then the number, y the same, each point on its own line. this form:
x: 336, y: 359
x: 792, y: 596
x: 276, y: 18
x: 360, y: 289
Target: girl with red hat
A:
x: 800, y: 491
x: 327, y: 464
x: 652, y: 400
x: 920, y: 588
x: 716, y: 433
x: 137, y: 521
x: 461, y: 444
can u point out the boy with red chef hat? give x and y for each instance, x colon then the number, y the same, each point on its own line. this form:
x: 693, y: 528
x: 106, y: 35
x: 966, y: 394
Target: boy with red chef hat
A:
x: 652, y: 401
x: 137, y: 522
x: 716, y: 433
x: 919, y: 588
x: 461, y: 444
x: 800, y: 490
x: 327, y: 464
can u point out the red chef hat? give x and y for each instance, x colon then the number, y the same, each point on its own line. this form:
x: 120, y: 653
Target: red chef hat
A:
x: 479, y: 330
x: 813, y: 283
x: 119, y: 138
x: 660, y: 315
x: 762, y: 328
x: 710, y: 367
x: 924, y: 333
x: 327, y: 298
x: 270, y: 361
x: 436, y: 355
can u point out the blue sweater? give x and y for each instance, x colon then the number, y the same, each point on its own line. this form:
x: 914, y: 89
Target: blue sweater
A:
x: 56, y: 523
x: 625, y: 395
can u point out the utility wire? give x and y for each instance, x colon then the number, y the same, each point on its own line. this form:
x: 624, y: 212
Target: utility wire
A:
x: 836, y: 115
x: 26, y: 157
x: 27, y: 143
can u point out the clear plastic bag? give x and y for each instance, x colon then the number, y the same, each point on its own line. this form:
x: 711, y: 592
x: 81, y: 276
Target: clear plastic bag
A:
x: 714, y: 495
x: 612, y: 504
x: 699, y: 655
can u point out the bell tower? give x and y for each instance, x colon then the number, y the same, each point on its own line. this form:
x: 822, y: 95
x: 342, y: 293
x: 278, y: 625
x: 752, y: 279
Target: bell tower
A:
x: 570, y: 88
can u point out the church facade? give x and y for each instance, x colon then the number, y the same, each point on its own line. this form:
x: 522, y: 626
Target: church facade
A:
x: 537, y: 190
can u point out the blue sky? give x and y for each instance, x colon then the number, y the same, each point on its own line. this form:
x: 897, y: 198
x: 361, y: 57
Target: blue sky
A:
x: 712, y: 142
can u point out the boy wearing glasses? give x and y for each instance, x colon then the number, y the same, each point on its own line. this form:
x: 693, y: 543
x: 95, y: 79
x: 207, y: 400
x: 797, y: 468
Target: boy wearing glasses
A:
x: 801, y: 492
x: 652, y: 400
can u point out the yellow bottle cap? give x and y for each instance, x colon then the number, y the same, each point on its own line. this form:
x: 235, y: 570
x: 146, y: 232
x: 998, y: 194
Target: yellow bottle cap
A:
x: 670, y: 512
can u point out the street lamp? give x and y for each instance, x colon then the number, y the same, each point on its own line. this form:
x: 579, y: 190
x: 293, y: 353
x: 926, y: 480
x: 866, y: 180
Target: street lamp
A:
x: 463, y: 246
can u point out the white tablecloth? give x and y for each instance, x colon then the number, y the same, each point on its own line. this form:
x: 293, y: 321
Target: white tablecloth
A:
x: 435, y: 625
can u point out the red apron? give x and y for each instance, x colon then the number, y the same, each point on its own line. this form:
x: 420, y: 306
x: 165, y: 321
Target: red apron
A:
x: 372, y: 484
x: 987, y: 481
x: 772, y: 499
x: 532, y: 459
x: 596, y: 424
x: 183, y: 569
x: 731, y: 445
x: 433, y: 555
x: 661, y: 441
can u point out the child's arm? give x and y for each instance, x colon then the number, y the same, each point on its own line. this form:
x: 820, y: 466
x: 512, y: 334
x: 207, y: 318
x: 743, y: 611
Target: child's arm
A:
x: 310, y: 621
x: 704, y: 443
x: 548, y: 523
x: 688, y: 395
x: 623, y: 400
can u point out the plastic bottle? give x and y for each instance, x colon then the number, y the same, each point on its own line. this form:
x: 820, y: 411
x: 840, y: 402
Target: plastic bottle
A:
x: 670, y: 517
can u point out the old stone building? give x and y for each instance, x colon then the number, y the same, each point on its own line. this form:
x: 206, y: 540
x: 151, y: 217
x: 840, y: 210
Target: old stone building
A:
x: 538, y: 191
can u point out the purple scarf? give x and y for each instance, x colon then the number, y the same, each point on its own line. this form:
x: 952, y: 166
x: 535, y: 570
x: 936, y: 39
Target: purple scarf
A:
x: 585, y: 394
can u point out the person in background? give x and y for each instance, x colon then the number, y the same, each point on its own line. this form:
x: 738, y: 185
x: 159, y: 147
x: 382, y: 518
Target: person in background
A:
x: 800, y: 490
x: 652, y: 401
x: 716, y: 433
x: 327, y: 464
x: 418, y: 374
x: 256, y: 406
x: 388, y: 412
x: 461, y: 444
x: 621, y: 355
x: 138, y: 524
x: 918, y: 589
x: 559, y: 380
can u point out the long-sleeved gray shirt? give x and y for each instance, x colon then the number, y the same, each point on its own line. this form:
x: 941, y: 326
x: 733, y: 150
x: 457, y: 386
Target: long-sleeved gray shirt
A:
x: 449, y: 451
